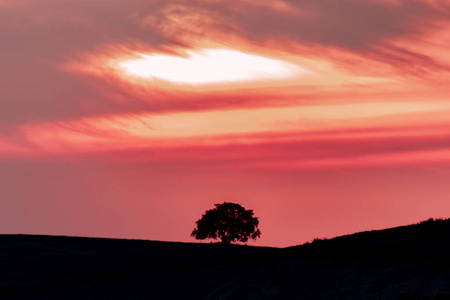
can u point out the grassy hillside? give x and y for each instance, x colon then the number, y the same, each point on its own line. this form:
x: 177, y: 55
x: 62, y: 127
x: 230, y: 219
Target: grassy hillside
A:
x: 410, y: 262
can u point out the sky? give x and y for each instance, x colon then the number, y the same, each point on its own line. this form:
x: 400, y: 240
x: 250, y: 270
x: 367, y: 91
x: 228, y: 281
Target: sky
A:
x: 131, y: 118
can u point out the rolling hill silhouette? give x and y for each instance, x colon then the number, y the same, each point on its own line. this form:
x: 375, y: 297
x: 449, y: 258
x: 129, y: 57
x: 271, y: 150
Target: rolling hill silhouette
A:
x: 409, y: 262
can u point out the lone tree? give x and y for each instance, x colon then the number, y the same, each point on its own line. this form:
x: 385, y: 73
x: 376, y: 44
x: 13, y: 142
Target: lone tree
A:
x: 229, y: 222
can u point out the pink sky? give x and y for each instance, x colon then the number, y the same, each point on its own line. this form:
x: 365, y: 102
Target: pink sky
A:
x: 129, y: 119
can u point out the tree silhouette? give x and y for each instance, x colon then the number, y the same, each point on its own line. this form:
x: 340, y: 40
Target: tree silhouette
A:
x: 229, y: 222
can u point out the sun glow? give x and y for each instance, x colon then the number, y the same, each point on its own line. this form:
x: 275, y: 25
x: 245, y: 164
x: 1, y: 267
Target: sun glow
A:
x: 210, y: 66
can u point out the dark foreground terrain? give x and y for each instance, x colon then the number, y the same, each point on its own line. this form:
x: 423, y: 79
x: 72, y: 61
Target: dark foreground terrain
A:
x: 410, y: 262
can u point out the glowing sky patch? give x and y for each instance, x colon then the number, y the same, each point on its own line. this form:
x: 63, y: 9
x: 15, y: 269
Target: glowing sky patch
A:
x: 210, y: 66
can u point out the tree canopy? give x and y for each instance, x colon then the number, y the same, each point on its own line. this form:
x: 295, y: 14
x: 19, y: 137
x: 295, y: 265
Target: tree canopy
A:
x: 229, y: 222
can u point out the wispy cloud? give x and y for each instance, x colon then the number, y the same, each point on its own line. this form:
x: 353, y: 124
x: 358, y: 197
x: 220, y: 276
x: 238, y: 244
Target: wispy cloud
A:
x: 42, y: 37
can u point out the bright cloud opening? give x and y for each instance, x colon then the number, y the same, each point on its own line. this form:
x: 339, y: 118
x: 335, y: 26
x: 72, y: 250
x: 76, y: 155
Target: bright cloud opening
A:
x: 210, y: 66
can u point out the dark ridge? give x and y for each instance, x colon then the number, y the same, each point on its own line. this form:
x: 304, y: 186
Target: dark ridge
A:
x: 399, y: 243
x: 408, y: 262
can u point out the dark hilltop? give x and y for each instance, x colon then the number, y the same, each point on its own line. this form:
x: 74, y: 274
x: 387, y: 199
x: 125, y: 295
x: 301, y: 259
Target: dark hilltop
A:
x: 408, y: 262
